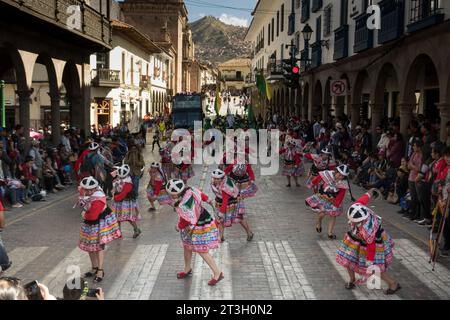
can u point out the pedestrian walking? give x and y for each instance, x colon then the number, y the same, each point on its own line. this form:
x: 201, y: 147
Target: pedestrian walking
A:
x: 197, y: 227
x: 99, y: 226
x: 367, y: 247
x: 125, y: 204
x: 331, y: 187
x: 226, y: 203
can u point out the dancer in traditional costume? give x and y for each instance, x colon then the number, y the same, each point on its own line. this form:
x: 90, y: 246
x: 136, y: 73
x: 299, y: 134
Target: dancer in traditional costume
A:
x: 197, y: 227
x: 125, y: 204
x: 366, y: 248
x: 166, y: 159
x: 231, y: 211
x: 331, y: 188
x: 292, y: 162
x: 99, y: 226
x: 156, y: 189
x: 244, y: 177
x: 321, y: 162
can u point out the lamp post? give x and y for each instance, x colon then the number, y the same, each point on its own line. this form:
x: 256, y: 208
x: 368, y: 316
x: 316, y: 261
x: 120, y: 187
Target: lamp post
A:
x: 2, y: 102
x: 307, y: 34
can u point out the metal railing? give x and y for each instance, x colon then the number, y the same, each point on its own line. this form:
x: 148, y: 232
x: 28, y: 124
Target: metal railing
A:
x: 103, y: 77
x: 93, y: 24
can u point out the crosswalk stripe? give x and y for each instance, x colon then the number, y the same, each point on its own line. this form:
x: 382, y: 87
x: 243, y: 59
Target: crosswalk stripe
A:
x: 58, y: 277
x: 361, y: 292
x: 22, y: 256
x: 138, y: 277
x: 200, y: 289
x: 416, y: 260
x: 286, y: 277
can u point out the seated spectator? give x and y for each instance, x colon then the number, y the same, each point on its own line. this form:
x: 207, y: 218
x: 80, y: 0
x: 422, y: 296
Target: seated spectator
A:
x: 378, y: 171
x: 363, y: 173
x: 28, y: 179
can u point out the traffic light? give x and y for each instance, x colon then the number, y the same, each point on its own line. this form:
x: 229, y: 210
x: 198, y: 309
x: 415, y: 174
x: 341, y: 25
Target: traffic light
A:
x: 292, y: 72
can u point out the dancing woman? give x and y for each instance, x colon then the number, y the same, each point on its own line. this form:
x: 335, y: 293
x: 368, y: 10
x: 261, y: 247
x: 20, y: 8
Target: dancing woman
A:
x: 156, y: 187
x: 99, y: 226
x: 367, y: 246
x: 197, y: 227
x: 331, y: 187
x: 226, y: 202
x: 125, y: 204
x: 321, y: 162
x: 292, y: 164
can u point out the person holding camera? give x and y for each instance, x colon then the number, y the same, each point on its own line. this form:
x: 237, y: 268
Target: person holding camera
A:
x: 82, y: 292
x: 11, y: 288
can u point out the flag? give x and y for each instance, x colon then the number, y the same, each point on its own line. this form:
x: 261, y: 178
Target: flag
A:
x: 263, y: 87
x: 251, y: 117
x: 217, y: 102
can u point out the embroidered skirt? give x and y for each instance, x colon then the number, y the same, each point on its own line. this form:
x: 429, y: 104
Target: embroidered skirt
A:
x: 167, y: 168
x: 126, y: 210
x: 289, y: 170
x: 234, y: 213
x: 95, y: 234
x: 319, y: 204
x: 203, y: 237
x: 184, y: 174
x: 352, y: 253
x: 163, y: 198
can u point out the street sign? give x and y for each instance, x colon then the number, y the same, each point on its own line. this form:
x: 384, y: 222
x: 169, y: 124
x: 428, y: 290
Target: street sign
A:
x: 338, y: 88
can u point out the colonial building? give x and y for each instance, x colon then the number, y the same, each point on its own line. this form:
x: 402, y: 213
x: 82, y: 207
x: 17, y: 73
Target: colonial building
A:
x: 165, y: 23
x: 397, y: 70
x: 234, y: 73
x: 132, y: 77
x: 44, y: 60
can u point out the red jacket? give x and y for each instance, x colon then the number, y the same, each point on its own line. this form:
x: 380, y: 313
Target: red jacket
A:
x: 340, y: 196
x: 94, y: 211
x: 127, y: 188
x: 27, y: 172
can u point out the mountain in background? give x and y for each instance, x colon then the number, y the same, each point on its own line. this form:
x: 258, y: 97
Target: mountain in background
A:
x: 217, y: 42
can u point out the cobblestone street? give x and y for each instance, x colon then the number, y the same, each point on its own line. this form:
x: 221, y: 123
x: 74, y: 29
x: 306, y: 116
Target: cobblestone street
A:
x: 287, y: 259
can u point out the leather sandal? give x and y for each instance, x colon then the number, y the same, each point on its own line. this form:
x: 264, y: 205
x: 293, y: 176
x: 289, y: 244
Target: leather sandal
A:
x: 392, y: 291
x: 213, y: 281
x: 91, y: 274
x: 350, y: 286
x: 182, y: 275
x: 97, y: 278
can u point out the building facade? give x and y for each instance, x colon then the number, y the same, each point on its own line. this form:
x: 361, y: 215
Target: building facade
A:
x: 394, y: 71
x: 165, y: 23
x: 44, y: 60
x: 234, y: 73
x: 132, y: 77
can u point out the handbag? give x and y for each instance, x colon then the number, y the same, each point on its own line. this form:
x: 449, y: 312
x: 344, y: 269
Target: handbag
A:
x: 393, y: 196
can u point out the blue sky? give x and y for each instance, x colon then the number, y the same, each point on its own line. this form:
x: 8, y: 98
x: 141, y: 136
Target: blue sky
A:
x: 237, y: 12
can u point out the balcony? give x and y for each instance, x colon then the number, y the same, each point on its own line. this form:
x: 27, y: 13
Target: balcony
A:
x: 363, y: 36
x: 392, y: 20
x: 316, y: 5
x: 341, y: 42
x: 316, y: 54
x: 291, y: 24
x: 233, y: 79
x: 275, y: 71
x: 305, y: 10
x: 425, y: 15
x: 144, y: 82
x: 105, y: 78
x: 94, y: 26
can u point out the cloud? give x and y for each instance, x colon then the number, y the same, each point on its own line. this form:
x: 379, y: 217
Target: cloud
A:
x: 235, y: 21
